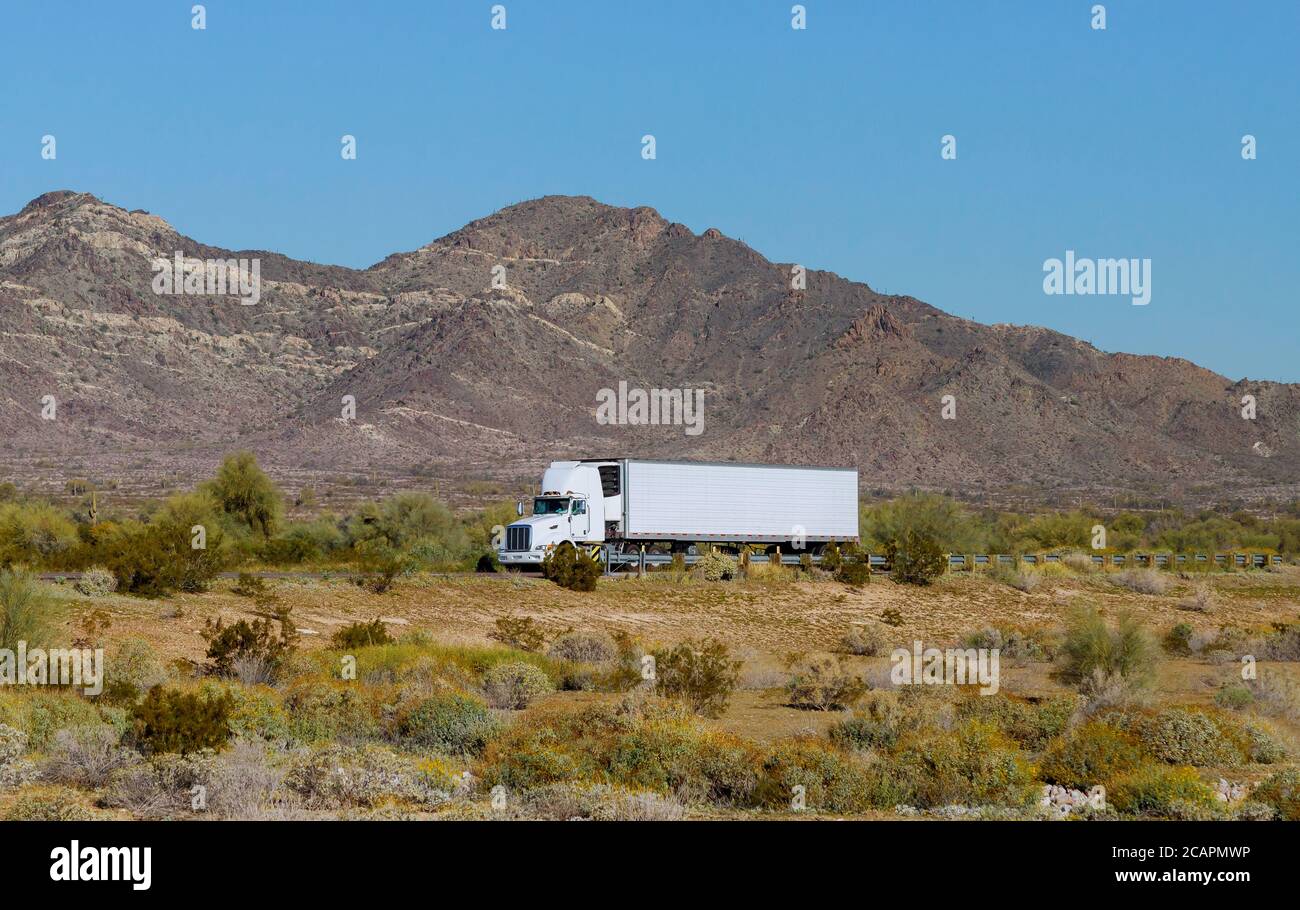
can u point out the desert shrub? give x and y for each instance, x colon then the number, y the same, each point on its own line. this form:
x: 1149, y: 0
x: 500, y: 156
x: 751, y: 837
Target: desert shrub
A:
x: 891, y: 616
x: 878, y: 721
x: 321, y: 711
x: 1125, y: 651
x: 715, y: 566
x: 1030, y: 723
x: 1181, y: 736
x: 600, y: 802
x: 1234, y: 697
x: 519, y: 632
x: 916, y: 557
x: 864, y: 640
x: 42, y: 714
x: 628, y: 670
x: 1281, y: 791
x: 361, y: 635
x: 245, y: 786
x: 1283, y: 643
x: 821, y: 684
x: 1160, y: 791
x: 256, y: 712
x: 160, y: 787
x: 1141, y: 581
x: 378, y: 565
x: 242, y: 490
x: 487, y: 563
x: 23, y: 610
x: 1093, y: 753
x: 1178, y: 640
x: 1013, y: 642
x: 49, y: 804
x: 338, y: 777
x: 571, y: 568
x: 1019, y: 579
x: 831, y: 780
x: 972, y: 764
x: 832, y: 558
x: 854, y: 572
x: 245, y: 643
x: 453, y: 723
x: 158, y: 557
x: 14, y: 769
x: 513, y: 685
x: 96, y: 582
x: 85, y: 757
x: 34, y: 533
x: 131, y: 670
x: 700, y: 673
x: 1274, y: 695
x: 171, y: 720
x: 584, y: 648
x: 1201, y: 600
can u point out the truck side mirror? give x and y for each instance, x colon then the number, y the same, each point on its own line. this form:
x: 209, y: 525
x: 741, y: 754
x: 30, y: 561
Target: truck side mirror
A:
x: 519, y: 508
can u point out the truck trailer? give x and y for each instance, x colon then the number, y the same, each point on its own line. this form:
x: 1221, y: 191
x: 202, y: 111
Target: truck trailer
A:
x: 617, y: 505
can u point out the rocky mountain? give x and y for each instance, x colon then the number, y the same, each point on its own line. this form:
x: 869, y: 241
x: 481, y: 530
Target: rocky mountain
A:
x: 483, y: 354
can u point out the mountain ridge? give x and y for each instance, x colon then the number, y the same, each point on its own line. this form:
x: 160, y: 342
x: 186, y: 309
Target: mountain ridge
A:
x: 454, y: 364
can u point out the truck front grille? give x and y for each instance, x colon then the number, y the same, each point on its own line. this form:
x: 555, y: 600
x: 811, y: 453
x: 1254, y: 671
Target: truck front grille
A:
x: 519, y: 538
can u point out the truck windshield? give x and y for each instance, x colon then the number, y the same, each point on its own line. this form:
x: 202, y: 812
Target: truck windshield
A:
x: 550, y: 506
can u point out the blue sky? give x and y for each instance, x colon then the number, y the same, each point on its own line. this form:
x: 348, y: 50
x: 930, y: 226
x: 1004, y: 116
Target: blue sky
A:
x: 818, y: 146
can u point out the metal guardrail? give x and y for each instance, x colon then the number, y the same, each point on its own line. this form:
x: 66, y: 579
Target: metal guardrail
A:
x: 879, y: 563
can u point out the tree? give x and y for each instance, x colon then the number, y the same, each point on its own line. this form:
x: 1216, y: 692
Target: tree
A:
x: 243, y: 490
x: 916, y: 558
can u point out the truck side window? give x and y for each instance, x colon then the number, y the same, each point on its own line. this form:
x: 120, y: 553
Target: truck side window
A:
x: 579, y: 507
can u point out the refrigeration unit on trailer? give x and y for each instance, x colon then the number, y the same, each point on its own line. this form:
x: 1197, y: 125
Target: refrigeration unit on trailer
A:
x: 626, y: 503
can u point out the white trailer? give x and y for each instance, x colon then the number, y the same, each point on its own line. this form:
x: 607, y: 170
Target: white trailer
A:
x: 629, y: 502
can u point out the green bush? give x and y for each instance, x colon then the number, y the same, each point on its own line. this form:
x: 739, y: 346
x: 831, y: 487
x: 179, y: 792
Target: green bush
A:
x: 854, y: 572
x: 49, y: 804
x: 34, y: 533
x: 1125, y: 651
x: 170, y: 720
x: 23, y: 610
x: 361, y: 635
x: 571, y: 568
x: 878, y: 721
x: 715, y: 566
x: 519, y: 632
x: 96, y: 582
x: 514, y: 684
x: 232, y: 647
x: 584, y: 648
x: 1178, y: 640
x: 1093, y: 753
x: 821, y: 684
x: 831, y: 780
x: 452, y: 723
x: 1161, y: 791
x: 864, y: 640
x: 1281, y: 791
x: 320, y: 711
x: 700, y: 673
x: 1030, y: 723
x: 1181, y: 736
x: 242, y: 490
x: 916, y: 558
x: 972, y: 764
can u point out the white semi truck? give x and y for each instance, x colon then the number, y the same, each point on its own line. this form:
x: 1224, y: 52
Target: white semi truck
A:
x: 625, y: 503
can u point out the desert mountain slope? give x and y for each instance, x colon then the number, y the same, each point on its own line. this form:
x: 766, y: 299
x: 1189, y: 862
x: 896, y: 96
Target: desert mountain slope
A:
x: 449, y: 366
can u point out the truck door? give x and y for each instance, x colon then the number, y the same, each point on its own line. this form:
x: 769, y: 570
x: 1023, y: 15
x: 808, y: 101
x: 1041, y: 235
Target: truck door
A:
x: 579, y: 519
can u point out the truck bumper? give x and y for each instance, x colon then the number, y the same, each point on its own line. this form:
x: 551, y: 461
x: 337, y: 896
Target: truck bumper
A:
x: 521, y: 557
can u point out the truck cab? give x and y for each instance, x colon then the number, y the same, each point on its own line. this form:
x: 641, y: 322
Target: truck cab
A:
x: 572, y: 506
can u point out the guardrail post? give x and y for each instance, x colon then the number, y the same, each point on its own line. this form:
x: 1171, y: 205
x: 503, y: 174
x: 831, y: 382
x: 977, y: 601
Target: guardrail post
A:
x: 640, y: 571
